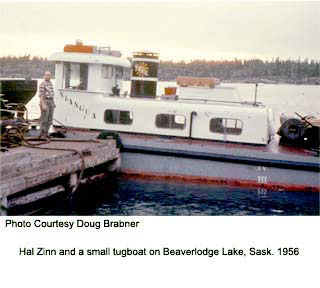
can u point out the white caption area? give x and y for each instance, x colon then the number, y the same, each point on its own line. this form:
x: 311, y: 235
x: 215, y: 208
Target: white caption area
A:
x: 163, y: 271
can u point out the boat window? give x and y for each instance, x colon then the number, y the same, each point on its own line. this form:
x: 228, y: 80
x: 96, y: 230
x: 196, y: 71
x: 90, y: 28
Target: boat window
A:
x: 119, y: 72
x: 118, y: 117
x: 75, y: 76
x: 226, y: 126
x: 170, y: 121
x: 107, y: 71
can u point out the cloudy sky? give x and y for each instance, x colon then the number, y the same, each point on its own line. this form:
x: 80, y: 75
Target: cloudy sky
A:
x: 177, y: 30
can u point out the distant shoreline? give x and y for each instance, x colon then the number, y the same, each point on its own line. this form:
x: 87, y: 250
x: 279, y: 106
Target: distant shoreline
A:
x: 267, y: 81
x: 277, y: 71
x: 314, y: 82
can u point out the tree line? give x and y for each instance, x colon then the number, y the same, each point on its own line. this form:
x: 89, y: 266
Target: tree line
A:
x: 253, y: 70
x: 236, y: 70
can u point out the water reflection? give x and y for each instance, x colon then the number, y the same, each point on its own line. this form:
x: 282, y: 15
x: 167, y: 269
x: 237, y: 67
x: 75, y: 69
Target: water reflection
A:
x: 136, y: 197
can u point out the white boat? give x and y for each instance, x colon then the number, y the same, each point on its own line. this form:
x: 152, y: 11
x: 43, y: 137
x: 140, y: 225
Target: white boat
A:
x: 210, y: 133
x: 85, y: 84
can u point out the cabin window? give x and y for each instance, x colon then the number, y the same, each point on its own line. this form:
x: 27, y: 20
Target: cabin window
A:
x: 118, y: 117
x: 75, y: 76
x: 226, y: 126
x: 107, y: 71
x: 119, y: 72
x: 170, y: 121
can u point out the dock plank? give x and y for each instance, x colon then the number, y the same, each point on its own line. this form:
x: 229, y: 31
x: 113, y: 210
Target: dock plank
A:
x: 32, y: 197
x: 41, y: 165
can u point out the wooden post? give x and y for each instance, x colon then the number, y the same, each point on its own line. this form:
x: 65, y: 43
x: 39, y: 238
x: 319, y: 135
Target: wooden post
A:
x: 73, y: 180
x: 114, y: 165
x: 3, y: 206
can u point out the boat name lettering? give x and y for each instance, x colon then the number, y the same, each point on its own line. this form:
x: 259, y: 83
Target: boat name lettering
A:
x: 79, y: 107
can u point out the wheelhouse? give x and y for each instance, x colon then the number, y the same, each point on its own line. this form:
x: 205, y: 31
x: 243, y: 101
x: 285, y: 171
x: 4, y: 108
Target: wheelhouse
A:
x: 89, y: 68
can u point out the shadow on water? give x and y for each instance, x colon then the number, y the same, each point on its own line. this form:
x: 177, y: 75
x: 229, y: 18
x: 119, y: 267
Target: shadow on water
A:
x: 120, y: 196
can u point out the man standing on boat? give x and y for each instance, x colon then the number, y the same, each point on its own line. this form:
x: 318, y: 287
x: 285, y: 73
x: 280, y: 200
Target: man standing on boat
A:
x: 47, y: 105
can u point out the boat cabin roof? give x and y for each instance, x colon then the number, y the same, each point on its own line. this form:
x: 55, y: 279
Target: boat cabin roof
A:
x: 90, y: 58
x: 248, y: 110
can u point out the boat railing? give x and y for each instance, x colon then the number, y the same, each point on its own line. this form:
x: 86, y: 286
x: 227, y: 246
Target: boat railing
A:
x: 221, y: 101
x: 170, y: 97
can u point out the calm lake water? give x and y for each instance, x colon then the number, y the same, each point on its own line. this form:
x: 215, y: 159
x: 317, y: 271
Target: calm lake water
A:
x: 122, y: 196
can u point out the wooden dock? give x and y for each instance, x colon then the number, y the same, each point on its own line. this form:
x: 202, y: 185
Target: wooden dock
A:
x: 29, y: 174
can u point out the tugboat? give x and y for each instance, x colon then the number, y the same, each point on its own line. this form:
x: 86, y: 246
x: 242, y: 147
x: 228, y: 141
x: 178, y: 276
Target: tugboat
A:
x: 200, y: 130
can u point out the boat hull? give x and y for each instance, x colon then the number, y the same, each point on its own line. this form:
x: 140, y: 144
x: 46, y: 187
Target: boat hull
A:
x: 217, y: 173
x: 18, y: 90
x: 200, y: 162
x: 270, y: 167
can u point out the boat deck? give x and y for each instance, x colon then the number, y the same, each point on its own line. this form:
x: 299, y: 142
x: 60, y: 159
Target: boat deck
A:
x: 273, y: 146
x: 272, y: 155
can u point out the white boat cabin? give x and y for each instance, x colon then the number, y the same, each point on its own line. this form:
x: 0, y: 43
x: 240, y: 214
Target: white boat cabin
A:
x: 86, y: 98
x: 89, y: 68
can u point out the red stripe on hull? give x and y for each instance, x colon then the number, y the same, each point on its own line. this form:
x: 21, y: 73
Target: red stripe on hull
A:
x: 218, y: 181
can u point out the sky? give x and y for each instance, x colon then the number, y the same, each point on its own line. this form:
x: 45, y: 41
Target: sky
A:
x: 177, y: 30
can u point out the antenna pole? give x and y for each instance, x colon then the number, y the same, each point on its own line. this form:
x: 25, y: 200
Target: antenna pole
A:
x: 255, y: 94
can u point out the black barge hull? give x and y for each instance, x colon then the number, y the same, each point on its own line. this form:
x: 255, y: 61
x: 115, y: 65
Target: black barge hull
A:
x: 18, y: 90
